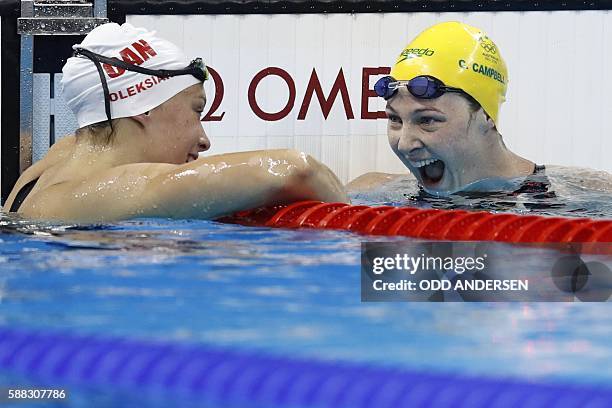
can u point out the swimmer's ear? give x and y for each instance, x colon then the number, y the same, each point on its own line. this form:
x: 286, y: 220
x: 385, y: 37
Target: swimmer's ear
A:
x: 488, y: 124
x: 143, y: 119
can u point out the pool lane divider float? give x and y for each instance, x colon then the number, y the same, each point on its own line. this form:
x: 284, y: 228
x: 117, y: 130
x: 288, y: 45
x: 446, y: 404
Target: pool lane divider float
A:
x: 431, y: 224
x: 214, y: 376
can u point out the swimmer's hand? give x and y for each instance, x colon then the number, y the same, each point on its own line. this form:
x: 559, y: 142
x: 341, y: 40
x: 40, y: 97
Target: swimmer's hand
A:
x: 301, y: 177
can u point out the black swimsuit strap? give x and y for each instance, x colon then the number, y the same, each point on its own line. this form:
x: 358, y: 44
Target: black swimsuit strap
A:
x: 22, y: 194
x: 534, y: 185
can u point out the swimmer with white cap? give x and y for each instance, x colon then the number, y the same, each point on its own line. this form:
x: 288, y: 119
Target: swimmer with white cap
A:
x: 138, y: 103
x: 443, y: 98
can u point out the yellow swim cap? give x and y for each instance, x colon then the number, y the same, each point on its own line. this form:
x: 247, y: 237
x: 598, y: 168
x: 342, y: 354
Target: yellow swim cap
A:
x: 461, y: 56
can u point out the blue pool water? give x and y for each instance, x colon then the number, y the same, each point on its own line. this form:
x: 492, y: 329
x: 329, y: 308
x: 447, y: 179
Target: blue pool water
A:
x: 284, y: 293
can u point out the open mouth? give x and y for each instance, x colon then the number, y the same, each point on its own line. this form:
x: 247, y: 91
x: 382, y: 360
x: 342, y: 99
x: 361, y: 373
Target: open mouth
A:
x: 431, y: 171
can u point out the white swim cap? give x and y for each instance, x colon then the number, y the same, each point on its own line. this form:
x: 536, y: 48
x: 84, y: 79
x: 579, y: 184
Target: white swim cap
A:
x: 131, y: 93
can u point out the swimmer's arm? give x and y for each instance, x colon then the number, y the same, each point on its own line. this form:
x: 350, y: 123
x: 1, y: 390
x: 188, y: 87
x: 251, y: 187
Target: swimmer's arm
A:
x: 205, y: 188
x: 369, y: 181
x: 214, y: 186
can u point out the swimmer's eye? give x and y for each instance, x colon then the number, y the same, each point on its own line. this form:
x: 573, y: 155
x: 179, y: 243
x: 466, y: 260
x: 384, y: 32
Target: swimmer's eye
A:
x: 427, y: 120
x: 394, y: 118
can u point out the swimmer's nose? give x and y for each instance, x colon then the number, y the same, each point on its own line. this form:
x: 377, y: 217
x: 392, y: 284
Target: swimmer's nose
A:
x: 408, y: 144
x: 203, y: 143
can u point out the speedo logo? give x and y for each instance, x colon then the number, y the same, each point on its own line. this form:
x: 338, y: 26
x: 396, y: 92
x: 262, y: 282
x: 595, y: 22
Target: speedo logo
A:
x: 415, y: 52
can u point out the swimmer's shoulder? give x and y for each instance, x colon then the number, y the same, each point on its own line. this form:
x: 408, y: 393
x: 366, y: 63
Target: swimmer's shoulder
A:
x: 115, y: 193
x: 57, y: 153
x: 369, y: 181
x: 581, y: 177
x: 597, y: 180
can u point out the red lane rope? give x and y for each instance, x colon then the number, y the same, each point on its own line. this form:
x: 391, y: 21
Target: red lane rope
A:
x: 457, y: 225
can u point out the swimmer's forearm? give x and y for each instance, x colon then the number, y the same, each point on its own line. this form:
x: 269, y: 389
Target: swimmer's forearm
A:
x: 221, y: 185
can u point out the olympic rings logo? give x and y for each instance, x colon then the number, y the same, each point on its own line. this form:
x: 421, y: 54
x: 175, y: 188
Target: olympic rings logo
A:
x: 488, y: 46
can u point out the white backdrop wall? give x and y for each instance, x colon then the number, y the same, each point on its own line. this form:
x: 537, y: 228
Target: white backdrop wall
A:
x: 558, y: 108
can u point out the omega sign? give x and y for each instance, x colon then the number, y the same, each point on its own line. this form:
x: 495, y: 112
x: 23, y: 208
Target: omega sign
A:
x: 325, y: 98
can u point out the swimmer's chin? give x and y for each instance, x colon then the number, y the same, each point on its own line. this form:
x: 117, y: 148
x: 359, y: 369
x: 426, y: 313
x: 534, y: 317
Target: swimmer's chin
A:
x: 438, y: 191
x: 440, y: 188
x: 444, y: 187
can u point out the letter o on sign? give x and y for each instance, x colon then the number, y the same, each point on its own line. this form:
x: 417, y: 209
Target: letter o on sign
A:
x: 271, y: 117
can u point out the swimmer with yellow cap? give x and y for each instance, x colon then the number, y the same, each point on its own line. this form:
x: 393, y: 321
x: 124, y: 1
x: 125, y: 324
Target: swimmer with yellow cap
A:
x: 443, y: 99
x: 138, y: 102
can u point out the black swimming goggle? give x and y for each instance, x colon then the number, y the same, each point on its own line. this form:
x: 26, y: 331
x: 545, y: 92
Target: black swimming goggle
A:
x: 197, y: 68
x: 424, y: 87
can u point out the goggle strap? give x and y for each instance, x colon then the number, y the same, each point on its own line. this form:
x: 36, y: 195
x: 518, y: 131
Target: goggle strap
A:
x: 162, y: 73
x: 107, y: 105
x: 107, y: 108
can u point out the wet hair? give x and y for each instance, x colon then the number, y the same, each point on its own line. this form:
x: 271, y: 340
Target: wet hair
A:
x: 474, y: 105
x: 101, y: 133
